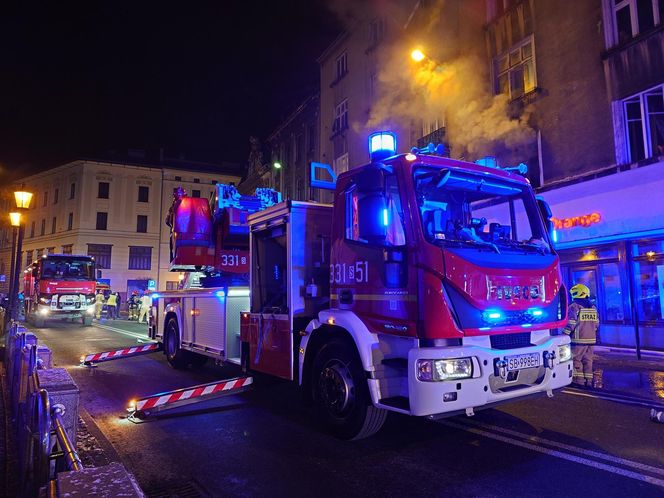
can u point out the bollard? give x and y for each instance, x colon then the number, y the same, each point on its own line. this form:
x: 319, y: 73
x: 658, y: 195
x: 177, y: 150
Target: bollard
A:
x: 44, y: 357
x: 62, y: 390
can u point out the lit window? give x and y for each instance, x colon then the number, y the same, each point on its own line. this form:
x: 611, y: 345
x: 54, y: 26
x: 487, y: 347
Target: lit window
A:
x: 631, y: 17
x: 340, y: 117
x: 644, y: 124
x: 514, y: 70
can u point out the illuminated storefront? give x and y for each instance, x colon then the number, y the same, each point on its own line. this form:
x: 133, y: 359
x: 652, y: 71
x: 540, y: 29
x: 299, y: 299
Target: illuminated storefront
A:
x: 609, y: 233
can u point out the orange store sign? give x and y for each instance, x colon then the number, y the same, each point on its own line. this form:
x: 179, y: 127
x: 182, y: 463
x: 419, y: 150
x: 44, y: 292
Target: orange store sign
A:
x: 585, y: 220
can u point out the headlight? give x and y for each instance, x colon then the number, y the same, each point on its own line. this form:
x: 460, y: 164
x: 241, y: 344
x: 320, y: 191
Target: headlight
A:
x: 564, y: 353
x: 438, y: 370
x: 45, y: 299
x: 43, y: 311
x: 90, y: 310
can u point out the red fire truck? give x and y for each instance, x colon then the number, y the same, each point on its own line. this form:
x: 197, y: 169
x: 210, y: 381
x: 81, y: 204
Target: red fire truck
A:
x: 60, y: 286
x: 430, y: 287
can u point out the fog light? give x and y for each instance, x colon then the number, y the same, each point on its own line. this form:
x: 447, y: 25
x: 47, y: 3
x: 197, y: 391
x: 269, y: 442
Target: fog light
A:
x: 43, y: 311
x: 449, y: 397
x: 564, y: 352
x: 439, y: 370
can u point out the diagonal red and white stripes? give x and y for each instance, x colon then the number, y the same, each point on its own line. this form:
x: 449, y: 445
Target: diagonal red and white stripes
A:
x: 118, y: 353
x: 193, y: 392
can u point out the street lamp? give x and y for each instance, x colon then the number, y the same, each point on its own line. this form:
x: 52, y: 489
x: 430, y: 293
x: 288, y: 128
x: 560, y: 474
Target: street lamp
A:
x: 417, y: 55
x: 277, y: 165
x: 23, y: 200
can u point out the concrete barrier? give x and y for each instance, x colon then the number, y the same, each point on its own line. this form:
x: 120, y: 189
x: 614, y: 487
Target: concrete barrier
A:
x: 108, y: 480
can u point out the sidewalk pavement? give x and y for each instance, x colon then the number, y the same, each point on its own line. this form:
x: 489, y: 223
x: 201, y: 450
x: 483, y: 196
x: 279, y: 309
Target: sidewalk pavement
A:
x: 618, y: 370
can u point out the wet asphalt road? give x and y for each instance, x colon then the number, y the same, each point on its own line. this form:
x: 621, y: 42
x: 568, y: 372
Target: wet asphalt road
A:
x: 265, y: 443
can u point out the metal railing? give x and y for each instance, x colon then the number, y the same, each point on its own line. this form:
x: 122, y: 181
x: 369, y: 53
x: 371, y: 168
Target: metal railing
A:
x: 44, y: 446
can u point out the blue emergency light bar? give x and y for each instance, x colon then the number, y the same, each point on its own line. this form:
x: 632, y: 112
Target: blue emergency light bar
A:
x: 382, y: 144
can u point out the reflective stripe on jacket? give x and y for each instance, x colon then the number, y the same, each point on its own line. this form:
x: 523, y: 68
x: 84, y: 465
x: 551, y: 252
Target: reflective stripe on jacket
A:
x: 583, y: 323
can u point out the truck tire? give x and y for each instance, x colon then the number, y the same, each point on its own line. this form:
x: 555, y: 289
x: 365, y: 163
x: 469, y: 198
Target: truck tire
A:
x: 176, y: 356
x: 341, y: 395
x: 87, y: 321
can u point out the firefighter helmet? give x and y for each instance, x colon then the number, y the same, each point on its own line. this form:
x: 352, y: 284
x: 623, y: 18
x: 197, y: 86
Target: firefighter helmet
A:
x: 579, y: 291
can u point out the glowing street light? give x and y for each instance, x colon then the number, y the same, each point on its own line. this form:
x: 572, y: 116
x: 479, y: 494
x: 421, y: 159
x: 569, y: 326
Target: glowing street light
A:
x: 277, y: 165
x: 417, y: 55
x: 23, y: 199
x: 15, y: 219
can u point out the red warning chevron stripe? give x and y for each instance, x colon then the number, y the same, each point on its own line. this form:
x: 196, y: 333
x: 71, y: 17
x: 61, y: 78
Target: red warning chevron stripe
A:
x: 118, y: 353
x: 193, y: 392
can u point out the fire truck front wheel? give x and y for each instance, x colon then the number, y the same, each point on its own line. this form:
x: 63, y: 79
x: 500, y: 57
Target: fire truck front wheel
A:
x: 341, y: 394
x: 176, y: 356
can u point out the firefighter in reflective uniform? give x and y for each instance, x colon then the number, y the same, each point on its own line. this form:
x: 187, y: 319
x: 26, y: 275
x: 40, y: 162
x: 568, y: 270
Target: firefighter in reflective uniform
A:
x: 99, y: 304
x: 582, y: 327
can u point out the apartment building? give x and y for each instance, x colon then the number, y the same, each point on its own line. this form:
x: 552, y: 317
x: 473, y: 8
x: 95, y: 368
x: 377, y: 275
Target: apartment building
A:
x: 579, y: 89
x: 113, y: 211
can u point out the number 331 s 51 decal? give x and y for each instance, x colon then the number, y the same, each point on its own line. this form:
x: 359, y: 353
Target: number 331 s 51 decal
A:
x: 342, y: 273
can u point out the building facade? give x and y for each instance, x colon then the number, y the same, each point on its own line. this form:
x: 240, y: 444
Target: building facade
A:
x: 582, y: 89
x: 112, y: 211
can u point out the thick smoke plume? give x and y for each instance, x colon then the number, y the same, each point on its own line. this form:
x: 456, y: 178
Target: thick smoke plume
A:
x: 452, y: 85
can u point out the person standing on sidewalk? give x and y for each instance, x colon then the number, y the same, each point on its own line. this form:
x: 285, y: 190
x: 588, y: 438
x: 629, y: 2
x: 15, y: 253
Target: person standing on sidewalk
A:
x: 99, y: 304
x: 582, y: 327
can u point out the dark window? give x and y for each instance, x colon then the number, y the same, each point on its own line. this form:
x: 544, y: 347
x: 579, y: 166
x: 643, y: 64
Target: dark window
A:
x: 214, y: 182
x: 178, y: 178
x: 70, y: 221
x: 28, y: 258
x: 143, y: 194
x: 142, y: 223
x: 197, y: 180
x: 101, y: 253
x: 195, y: 193
x: 50, y: 250
x: 56, y: 194
x: 72, y: 191
x: 68, y: 249
x: 53, y: 224
x: 43, y: 227
x: 342, y: 66
x: 102, y: 220
x: 39, y: 253
x: 45, y: 198
x: 102, y: 192
x: 140, y: 258
x: 32, y: 229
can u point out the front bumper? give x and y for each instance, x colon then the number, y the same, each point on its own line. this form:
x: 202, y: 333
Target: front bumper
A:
x: 485, y: 387
x: 51, y: 313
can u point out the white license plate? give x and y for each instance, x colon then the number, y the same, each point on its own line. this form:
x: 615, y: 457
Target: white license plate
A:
x: 523, y: 361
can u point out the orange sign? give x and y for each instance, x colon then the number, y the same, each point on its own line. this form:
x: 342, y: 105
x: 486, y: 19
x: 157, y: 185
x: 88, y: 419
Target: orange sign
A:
x: 585, y: 220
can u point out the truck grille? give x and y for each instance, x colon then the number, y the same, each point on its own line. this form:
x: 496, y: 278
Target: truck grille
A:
x: 510, y: 341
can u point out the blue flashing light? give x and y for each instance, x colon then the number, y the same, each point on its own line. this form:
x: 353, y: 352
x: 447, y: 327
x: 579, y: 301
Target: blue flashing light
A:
x: 555, y: 236
x: 526, y: 325
x: 386, y: 218
x: 382, y: 144
x: 220, y: 293
x: 155, y: 295
x: 485, y: 328
x: 494, y: 315
x: 536, y: 312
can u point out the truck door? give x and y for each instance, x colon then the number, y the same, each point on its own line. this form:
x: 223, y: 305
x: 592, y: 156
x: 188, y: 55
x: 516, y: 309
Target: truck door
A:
x: 369, y: 271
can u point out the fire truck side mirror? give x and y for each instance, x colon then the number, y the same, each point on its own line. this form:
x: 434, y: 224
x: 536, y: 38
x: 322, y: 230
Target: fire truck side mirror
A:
x: 545, y: 210
x: 371, y: 209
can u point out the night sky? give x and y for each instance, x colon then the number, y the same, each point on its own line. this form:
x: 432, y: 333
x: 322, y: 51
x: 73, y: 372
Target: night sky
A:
x: 197, y: 78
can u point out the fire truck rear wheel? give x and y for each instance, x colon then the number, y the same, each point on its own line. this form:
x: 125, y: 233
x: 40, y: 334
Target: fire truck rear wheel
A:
x: 341, y: 394
x: 176, y: 356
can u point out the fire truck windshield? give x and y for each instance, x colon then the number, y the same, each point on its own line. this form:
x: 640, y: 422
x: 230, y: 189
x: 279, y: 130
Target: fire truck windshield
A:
x: 68, y: 269
x: 471, y: 210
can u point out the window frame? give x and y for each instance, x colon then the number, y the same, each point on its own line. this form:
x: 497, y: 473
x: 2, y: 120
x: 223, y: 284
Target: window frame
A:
x: 634, y: 19
x: 54, y: 224
x: 103, y: 190
x: 340, y: 117
x: 42, y: 228
x: 72, y: 191
x: 510, y: 70
x: 138, y: 261
x: 646, y: 131
x: 141, y: 222
x: 146, y: 190
x: 102, y: 215
x: 100, y: 257
x: 341, y: 66
x: 70, y: 221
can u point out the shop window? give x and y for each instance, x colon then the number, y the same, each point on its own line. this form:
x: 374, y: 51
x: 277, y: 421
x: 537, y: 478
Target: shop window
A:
x: 649, y: 276
x: 612, y: 307
x: 589, y: 254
